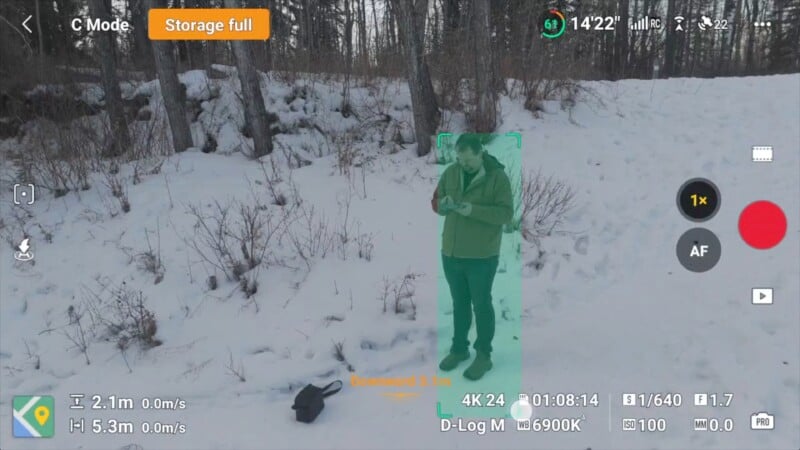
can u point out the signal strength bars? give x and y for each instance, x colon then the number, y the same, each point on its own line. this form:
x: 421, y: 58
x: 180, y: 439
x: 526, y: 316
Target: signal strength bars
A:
x: 645, y: 23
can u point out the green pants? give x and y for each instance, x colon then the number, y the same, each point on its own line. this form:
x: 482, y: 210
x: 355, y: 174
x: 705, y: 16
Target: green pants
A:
x: 470, y: 282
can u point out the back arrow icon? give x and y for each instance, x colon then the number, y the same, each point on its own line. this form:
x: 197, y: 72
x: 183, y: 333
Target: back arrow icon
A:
x: 25, y: 24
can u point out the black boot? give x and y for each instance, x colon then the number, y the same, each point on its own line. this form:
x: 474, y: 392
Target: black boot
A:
x: 452, y: 360
x: 479, y: 367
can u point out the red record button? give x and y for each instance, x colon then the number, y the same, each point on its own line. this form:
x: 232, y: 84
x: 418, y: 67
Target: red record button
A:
x: 762, y: 224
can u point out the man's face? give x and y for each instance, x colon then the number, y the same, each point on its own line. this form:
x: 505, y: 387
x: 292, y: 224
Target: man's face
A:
x: 469, y: 160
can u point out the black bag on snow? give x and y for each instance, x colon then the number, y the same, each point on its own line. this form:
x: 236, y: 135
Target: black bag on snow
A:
x: 309, y: 401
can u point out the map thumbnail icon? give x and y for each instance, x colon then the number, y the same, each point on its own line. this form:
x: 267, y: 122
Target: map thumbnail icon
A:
x: 33, y: 416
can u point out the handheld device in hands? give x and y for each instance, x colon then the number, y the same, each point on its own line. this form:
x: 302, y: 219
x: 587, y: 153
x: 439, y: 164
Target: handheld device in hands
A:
x: 448, y: 205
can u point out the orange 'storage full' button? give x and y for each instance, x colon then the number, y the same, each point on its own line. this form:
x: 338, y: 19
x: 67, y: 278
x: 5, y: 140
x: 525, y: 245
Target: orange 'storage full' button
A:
x: 200, y: 24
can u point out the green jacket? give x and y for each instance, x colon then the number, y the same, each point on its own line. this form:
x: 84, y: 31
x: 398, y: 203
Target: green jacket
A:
x: 477, y: 235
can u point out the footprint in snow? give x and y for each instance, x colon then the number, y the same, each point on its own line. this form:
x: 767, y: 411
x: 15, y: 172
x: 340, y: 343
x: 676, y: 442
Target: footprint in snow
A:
x: 556, y: 268
x: 553, y: 300
x: 582, y: 245
x: 770, y: 327
x: 601, y: 267
x: 366, y: 344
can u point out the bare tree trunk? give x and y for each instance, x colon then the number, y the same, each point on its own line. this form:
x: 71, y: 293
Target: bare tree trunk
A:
x: 644, y: 63
x: 695, y: 48
x: 194, y: 49
x: 411, y: 22
x: 451, y: 20
x: 391, y: 32
x: 254, y: 111
x: 120, y: 137
x: 274, y: 45
x: 258, y: 48
x: 621, y: 44
x: 635, y: 51
x: 143, y: 52
x: 608, y: 51
x: 650, y: 41
x: 273, y: 6
x: 38, y: 15
x: 362, y: 33
x: 348, y: 58
x: 751, y: 40
x: 687, y: 58
x: 738, y: 48
x: 669, y: 42
x: 518, y: 29
x: 726, y: 39
x: 432, y: 113
x: 377, y: 30
x: 172, y: 90
x: 780, y: 51
x: 359, y: 48
x: 308, y: 31
x: 713, y: 57
x: 485, y: 117
x: 436, y: 35
x: 733, y: 42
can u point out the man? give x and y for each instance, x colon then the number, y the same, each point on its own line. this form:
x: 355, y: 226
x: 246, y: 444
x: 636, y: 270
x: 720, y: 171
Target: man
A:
x: 474, y: 196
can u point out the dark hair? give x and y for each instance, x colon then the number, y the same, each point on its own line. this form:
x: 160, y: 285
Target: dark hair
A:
x: 470, y: 141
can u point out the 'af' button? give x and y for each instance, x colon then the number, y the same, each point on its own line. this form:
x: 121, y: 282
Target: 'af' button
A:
x: 698, y: 250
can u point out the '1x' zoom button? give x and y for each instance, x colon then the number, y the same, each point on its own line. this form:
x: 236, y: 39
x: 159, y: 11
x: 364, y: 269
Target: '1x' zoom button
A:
x: 698, y: 250
x: 698, y: 199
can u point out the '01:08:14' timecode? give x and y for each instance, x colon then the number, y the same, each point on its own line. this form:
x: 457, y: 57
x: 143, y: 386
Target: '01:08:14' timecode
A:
x: 564, y: 400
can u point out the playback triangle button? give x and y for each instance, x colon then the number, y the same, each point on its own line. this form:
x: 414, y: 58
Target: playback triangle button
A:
x: 762, y: 296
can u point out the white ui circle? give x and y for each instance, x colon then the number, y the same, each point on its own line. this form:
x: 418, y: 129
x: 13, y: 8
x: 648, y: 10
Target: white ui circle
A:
x: 521, y: 410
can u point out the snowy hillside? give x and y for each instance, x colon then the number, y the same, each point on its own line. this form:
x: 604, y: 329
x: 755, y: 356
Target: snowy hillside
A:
x: 607, y: 308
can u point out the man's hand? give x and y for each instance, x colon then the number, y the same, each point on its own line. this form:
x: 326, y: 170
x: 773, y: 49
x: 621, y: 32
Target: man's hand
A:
x: 464, y: 209
x: 446, y: 204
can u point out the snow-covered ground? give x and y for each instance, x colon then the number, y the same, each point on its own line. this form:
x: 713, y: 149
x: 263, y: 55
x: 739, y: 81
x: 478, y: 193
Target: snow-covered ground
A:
x: 606, y: 306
